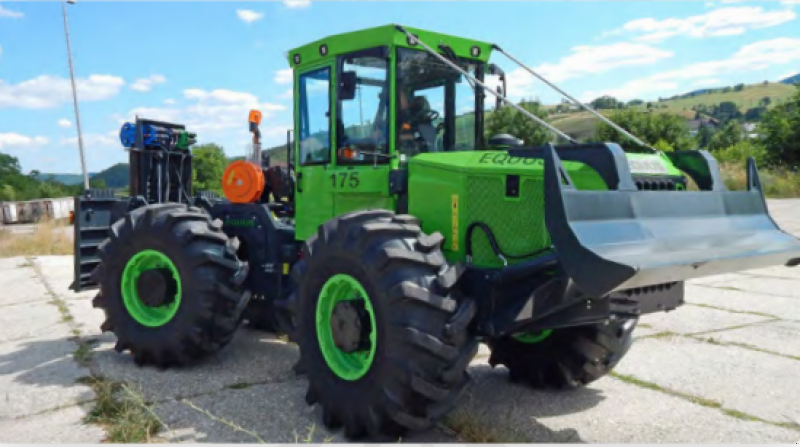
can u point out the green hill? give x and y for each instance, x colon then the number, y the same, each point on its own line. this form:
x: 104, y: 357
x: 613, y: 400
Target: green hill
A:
x: 66, y: 179
x: 750, y: 96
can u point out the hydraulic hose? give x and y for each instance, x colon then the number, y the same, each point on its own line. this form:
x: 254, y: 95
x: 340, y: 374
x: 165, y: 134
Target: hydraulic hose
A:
x: 495, y: 247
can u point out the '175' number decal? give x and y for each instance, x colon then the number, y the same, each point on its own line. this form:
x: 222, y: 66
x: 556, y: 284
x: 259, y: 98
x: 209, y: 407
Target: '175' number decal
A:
x: 346, y: 179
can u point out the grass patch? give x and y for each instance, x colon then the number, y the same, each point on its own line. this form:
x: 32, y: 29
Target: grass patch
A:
x: 122, y: 412
x: 83, y: 355
x: 468, y: 428
x: 664, y: 334
x: 309, y: 437
x: 223, y: 421
x: 66, y: 316
x: 777, y: 183
x: 48, y: 238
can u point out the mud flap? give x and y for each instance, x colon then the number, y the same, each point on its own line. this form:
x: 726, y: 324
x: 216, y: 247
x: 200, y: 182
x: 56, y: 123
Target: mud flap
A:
x: 625, y: 238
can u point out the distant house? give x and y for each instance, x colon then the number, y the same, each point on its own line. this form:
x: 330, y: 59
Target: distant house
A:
x: 750, y: 130
x: 694, y: 125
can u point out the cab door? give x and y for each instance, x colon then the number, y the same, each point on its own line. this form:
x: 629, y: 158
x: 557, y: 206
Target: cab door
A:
x: 359, y: 176
x: 313, y: 148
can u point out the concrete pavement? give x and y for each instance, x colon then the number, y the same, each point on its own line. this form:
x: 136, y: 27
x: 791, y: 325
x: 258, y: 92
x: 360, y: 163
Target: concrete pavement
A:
x: 723, y: 368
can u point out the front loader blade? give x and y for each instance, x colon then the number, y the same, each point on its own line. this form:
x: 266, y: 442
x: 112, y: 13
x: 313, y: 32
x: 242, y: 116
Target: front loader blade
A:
x: 625, y: 238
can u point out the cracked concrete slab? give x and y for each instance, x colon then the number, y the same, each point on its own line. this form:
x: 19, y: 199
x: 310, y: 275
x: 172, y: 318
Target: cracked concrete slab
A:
x: 740, y: 379
x: 251, y: 357
x: 690, y: 319
x: 59, y: 272
x: 64, y: 426
x: 274, y: 408
x: 20, y: 285
x: 778, y: 271
x: 28, y: 320
x: 773, y: 286
x: 38, y: 375
x: 12, y: 263
x: 737, y: 300
x: 607, y: 411
x: 782, y: 337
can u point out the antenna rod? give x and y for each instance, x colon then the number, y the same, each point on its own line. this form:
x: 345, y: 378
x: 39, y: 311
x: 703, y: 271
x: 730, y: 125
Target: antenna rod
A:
x: 413, y: 38
x: 608, y: 121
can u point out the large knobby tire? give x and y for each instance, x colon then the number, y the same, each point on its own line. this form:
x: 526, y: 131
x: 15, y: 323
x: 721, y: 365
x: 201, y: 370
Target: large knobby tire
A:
x: 568, y: 358
x: 414, y: 368
x: 204, y: 299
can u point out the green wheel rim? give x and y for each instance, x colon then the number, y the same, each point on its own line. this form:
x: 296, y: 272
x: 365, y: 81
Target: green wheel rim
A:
x: 143, y: 314
x: 353, y: 365
x: 533, y: 337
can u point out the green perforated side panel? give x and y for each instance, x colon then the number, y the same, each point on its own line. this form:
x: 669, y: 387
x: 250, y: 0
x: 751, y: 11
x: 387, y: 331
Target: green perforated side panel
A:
x: 517, y: 223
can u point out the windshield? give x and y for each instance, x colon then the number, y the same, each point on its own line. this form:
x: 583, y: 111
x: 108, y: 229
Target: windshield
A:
x: 436, y: 105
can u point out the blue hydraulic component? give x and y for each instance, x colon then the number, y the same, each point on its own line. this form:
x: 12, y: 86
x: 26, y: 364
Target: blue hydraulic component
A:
x: 127, y: 135
x: 151, y: 135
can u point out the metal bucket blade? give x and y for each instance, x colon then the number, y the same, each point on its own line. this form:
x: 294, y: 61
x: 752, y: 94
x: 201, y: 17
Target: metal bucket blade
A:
x: 625, y: 238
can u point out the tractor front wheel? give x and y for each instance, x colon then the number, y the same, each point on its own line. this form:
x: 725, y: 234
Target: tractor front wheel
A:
x: 564, y: 358
x: 382, y: 337
x: 170, y: 285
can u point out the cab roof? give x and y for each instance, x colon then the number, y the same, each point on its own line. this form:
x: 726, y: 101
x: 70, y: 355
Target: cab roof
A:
x: 327, y: 48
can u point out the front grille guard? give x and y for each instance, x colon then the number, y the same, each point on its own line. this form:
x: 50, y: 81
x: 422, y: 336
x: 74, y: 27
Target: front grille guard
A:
x: 625, y: 238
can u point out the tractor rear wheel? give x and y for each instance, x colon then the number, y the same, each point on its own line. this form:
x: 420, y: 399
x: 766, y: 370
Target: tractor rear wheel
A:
x: 564, y: 358
x: 170, y: 285
x: 382, y: 337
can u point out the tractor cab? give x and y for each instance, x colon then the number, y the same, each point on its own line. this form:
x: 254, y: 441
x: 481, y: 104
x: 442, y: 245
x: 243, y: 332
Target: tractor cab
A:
x: 367, y: 102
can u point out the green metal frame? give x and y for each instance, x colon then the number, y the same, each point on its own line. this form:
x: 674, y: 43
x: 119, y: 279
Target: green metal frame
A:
x: 442, y: 187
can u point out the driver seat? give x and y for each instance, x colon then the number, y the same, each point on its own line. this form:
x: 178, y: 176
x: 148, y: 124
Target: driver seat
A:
x: 419, y: 107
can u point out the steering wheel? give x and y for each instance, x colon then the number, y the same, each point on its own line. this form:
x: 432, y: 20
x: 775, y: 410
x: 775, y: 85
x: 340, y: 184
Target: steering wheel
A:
x: 429, y: 115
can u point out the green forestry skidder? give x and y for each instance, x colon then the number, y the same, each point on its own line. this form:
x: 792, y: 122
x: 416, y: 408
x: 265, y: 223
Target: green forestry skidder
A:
x: 397, y: 237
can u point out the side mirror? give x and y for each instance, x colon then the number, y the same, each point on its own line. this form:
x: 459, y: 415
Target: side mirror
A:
x: 347, y: 86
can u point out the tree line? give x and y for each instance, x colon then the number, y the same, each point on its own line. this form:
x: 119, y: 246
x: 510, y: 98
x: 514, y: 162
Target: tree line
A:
x: 776, y: 144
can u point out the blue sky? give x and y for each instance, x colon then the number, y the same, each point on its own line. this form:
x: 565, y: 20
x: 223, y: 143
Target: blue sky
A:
x: 206, y: 64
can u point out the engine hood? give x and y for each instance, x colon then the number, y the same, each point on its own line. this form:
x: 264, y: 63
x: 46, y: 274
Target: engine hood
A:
x: 501, y: 162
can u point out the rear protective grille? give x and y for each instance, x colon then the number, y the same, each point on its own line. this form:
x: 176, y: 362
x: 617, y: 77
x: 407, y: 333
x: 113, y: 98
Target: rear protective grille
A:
x: 517, y: 224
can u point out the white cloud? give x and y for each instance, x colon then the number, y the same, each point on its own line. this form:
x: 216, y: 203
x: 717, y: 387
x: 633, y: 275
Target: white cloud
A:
x: 790, y: 3
x: 146, y: 84
x: 169, y: 101
x: 64, y: 123
x: 11, y: 141
x: 584, y: 60
x: 284, y: 76
x: 213, y: 114
x: 706, y: 82
x: 47, y: 91
x: 95, y: 140
x: 7, y: 13
x: 726, y: 21
x: 753, y: 57
x: 249, y: 16
x: 297, y: 3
